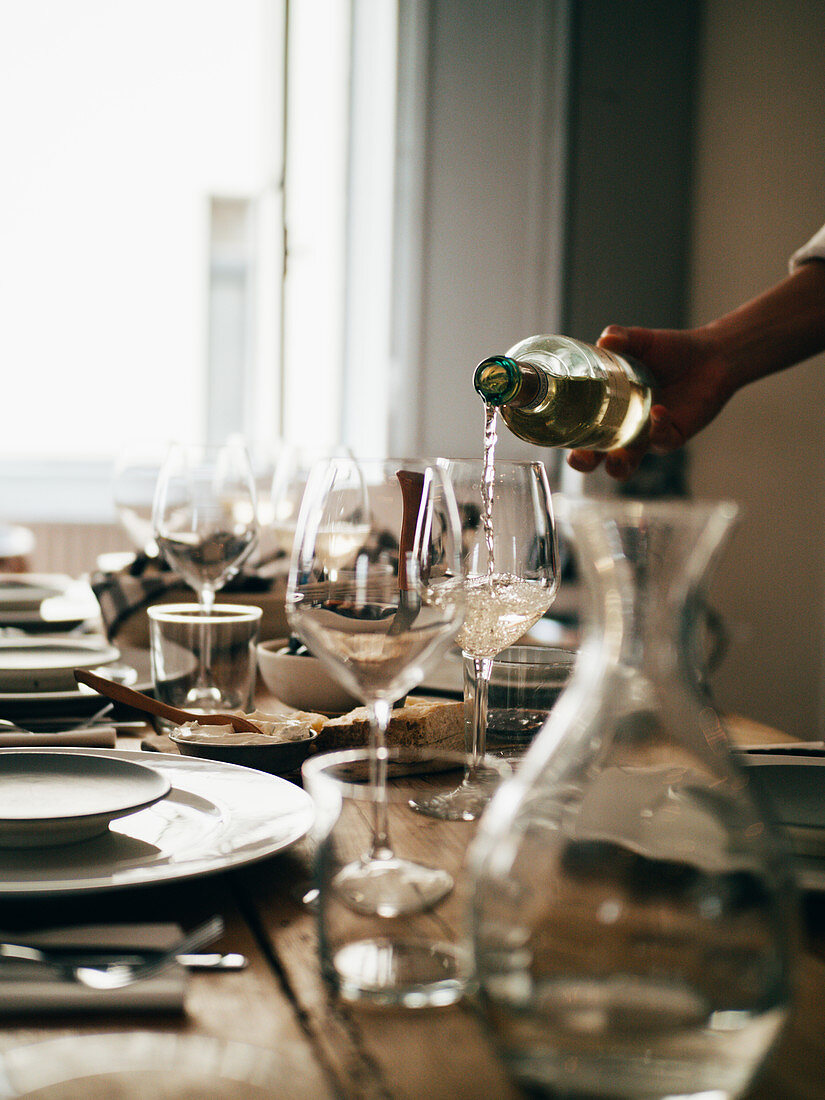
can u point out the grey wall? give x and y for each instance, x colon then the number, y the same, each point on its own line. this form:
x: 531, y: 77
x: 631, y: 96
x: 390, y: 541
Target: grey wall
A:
x: 493, y: 174
x: 540, y: 219
x: 759, y: 193
x: 674, y: 221
x: 632, y: 84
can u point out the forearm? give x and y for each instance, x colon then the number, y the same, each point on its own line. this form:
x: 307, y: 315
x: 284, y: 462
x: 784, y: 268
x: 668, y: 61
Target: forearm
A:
x: 775, y: 330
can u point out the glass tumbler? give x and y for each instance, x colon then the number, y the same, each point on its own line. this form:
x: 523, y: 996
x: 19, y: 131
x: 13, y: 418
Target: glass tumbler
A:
x: 420, y: 957
x: 176, y: 637
x: 525, y: 684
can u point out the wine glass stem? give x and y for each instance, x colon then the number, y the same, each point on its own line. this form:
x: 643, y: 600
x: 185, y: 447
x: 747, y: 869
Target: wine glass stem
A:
x: 378, y: 713
x: 207, y: 602
x: 477, y: 679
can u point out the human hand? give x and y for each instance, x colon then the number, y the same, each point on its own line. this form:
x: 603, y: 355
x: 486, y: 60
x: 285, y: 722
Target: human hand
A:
x: 689, y: 388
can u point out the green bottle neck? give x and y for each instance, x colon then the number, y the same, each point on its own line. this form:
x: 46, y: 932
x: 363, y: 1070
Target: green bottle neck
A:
x: 501, y: 380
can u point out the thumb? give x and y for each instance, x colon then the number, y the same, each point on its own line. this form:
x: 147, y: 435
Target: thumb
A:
x: 614, y: 338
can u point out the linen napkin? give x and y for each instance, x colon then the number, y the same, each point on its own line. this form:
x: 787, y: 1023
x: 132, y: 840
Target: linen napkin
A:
x: 101, y: 737
x: 124, y: 595
x: 27, y: 987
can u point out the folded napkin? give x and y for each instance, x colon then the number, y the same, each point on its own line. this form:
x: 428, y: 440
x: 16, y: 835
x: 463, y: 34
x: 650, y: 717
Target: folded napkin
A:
x: 124, y: 595
x: 101, y: 737
x: 27, y: 987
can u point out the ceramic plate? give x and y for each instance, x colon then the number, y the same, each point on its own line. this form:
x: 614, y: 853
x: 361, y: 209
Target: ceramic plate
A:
x: 447, y: 678
x: 27, y: 591
x: 45, y: 664
x: 795, y: 787
x: 144, y: 1063
x: 215, y: 817
x: 53, y: 798
x: 56, y: 706
x: 45, y: 602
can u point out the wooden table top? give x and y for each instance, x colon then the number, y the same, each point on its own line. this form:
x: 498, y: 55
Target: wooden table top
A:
x: 315, y: 1046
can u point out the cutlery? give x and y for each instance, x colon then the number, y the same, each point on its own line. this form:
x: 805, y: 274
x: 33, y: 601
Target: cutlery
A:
x: 121, y: 694
x: 55, y: 956
x: 793, y: 748
x: 116, y: 975
x: 73, y: 726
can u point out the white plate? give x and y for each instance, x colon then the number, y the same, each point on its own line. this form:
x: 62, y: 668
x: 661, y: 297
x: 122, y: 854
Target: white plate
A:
x: 447, y: 678
x: 52, y: 798
x: 142, y: 1064
x: 795, y: 787
x: 76, y: 702
x: 40, y: 602
x: 27, y: 591
x: 216, y: 817
x: 45, y: 664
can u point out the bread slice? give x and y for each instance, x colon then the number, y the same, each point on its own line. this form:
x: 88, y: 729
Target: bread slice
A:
x: 435, y: 724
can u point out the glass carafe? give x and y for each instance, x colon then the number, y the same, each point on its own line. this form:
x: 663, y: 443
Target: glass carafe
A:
x: 634, y: 913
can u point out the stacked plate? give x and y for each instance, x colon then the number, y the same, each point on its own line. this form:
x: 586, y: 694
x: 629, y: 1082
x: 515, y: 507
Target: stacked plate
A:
x: 39, y: 615
x: 794, y: 784
x: 37, y: 686
x: 44, y: 602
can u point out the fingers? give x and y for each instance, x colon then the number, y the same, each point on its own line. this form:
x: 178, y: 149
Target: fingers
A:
x: 621, y: 463
x: 665, y: 436
x: 584, y: 461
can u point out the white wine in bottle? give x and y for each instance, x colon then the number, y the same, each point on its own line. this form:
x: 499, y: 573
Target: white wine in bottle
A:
x: 559, y: 392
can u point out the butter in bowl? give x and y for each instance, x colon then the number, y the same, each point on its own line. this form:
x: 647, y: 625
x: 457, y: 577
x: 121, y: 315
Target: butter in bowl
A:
x: 285, y: 741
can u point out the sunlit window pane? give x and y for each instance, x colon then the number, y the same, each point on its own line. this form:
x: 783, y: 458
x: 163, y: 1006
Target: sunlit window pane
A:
x: 121, y: 125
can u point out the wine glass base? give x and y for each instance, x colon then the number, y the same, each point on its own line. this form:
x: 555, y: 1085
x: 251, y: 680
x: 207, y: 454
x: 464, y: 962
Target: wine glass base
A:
x: 119, y: 673
x: 389, y: 972
x: 390, y: 887
x: 206, y: 699
x: 466, y: 803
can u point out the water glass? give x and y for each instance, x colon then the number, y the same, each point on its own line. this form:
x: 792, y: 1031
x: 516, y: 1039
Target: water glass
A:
x: 418, y: 958
x: 177, y: 636
x: 525, y: 682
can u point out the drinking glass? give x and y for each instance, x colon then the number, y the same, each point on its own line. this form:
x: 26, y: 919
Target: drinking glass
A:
x: 205, y: 523
x: 375, y: 592
x: 511, y: 575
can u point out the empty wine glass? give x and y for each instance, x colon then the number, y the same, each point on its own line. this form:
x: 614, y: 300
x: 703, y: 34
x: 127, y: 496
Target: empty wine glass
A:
x: 293, y: 464
x: 134, y: 477
x: 375, y: 592
x: 134, y: 480
x: 511, y: 575
x: 205, y: 524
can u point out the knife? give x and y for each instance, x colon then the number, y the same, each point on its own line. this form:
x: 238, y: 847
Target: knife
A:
x: 78, y: 956
x: 784, y: 748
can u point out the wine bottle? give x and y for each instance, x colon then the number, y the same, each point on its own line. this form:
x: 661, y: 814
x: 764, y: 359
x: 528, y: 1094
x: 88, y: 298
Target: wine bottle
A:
x: 559, y: 392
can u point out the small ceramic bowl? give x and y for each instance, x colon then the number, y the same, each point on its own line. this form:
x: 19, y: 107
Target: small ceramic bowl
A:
x: 302, y: 681
x: 250, y: 750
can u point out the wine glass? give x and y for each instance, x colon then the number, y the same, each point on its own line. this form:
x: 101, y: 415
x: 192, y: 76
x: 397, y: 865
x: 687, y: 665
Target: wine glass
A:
x: 205, y: 524
x: 375, y: 592
x: 134, y: 480
x: 293, y: 464
x: 134, y: 477
x: 511, y: 575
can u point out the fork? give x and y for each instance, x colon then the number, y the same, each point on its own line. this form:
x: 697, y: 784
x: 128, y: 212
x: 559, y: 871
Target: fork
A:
x: 116, y: 975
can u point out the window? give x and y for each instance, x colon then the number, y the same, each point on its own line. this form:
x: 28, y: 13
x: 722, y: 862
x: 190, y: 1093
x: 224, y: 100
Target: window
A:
x: 142, y: 212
